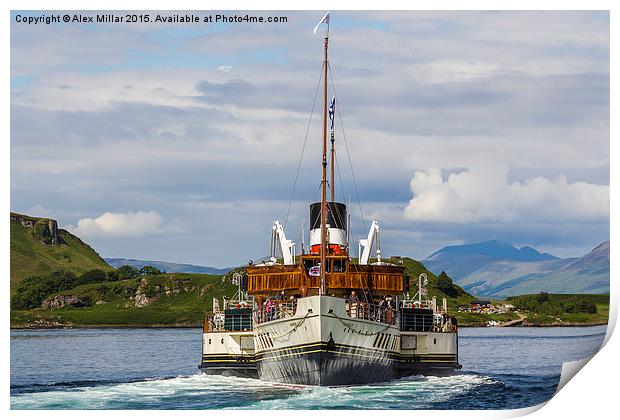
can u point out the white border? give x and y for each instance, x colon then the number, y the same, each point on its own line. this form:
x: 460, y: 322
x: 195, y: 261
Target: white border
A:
x: 591, y: 395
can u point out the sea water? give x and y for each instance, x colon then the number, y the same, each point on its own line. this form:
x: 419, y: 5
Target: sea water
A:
x: 158, y: 369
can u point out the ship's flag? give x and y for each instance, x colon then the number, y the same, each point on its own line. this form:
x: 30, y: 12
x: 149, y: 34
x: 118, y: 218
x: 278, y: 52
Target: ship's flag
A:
x: 315, y: 271
x: 324, y: 20
x: 332, y: 107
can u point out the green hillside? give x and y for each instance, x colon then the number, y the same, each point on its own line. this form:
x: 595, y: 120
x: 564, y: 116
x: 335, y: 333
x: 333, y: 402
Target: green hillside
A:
x: 155, y: 300
x: 169, y: 299
x: 454, y: 294
x: 562, y: 309
x: 38, y: 247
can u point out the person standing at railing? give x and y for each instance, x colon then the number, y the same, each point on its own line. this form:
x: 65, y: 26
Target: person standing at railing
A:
x: 353, y: 298
x: 389, y: 309
x: 381, y: 310
x: 269, y: 309
x: 354, y: 301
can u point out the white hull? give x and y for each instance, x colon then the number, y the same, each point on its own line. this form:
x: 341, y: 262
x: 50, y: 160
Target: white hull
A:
x: 320, y: 344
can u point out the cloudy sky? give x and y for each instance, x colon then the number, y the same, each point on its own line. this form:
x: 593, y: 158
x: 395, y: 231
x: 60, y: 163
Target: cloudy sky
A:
x: 181, y: 142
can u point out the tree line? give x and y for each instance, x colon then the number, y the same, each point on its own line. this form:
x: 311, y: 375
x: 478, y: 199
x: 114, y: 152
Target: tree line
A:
x: 548, y: 304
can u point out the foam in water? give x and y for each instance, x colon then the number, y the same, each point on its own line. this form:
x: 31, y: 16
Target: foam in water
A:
x: 202, y: 391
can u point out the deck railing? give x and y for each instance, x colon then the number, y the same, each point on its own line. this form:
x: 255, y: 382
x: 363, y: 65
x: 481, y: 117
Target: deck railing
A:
x: 274, y: 310
x: 372, y: 312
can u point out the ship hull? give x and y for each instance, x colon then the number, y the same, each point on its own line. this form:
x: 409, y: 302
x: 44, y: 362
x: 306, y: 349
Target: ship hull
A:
x: 321, y: 344
x: 326, y: 364
x: 226, y: 365
x: 229, y: 354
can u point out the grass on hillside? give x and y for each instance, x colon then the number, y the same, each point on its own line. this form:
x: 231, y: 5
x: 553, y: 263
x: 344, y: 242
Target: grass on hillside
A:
x: 597, y: 298
x: 31, y: 257
x: 600, y: 317
x: 187, y: 307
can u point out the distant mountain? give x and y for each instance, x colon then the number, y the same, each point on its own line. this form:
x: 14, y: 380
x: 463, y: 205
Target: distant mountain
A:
x: 168, y: 267
x: 588, y: 274
x: 494, y: 268
x: 493, y: 249
x: 39, y: 247
x: 460, y: 261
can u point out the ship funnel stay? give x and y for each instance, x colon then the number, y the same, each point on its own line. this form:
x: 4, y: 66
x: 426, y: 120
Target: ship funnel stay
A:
x: 336, y: 223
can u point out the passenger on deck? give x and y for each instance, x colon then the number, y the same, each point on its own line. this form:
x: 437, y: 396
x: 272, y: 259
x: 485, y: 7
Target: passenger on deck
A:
x: 383, y: 303
x: 353, y: 297
x: 269, y: 309
x: 353, y: 304
x: 389, y: 309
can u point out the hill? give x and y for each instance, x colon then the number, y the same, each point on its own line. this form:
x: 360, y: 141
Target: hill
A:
x: 493, y: 249
x: 461, y: 261
x: 588, y: 274
x: 546, y: 309
x: 168, y: 267
x: 38, y: 247
x: 508, y: 270
x: 455, y: 295
x: 155, y: 300
x: 175, y: 299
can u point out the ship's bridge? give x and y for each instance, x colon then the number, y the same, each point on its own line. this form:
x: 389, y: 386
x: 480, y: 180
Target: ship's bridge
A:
x: 341, y: 276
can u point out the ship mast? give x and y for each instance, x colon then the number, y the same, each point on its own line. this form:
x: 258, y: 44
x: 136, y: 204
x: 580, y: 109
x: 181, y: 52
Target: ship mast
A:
x: 323, y: 289
x: 331, y: 133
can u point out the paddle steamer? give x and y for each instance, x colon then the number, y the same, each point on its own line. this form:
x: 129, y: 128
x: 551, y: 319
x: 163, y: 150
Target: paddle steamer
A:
x: 323, y: 317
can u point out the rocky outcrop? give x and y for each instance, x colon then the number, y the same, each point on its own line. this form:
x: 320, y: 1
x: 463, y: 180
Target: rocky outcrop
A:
x: 25, y: 221
x: 46, y: 230
x: 145, y: 293
x: 149, y: 292
x: 61, y: 301
x: 52, y: 232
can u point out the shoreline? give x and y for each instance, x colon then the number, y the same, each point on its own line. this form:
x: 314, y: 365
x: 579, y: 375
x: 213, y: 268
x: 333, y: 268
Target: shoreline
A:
x: 103, y: 326
x: 194, y: 326
x: 595, y: 324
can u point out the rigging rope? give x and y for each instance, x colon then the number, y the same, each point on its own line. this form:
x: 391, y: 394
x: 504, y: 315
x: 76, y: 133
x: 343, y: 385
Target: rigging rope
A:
x: 344, y: 136
x: 339, y: 174
x: 304, y: 146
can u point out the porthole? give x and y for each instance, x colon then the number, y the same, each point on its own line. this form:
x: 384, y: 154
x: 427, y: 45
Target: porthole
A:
x: 222, y: 341
x: 209, y: 341
x: 434, y: 341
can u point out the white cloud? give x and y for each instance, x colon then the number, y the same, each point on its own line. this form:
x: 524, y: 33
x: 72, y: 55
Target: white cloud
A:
x: 135, y: 225
x: 484, y: 194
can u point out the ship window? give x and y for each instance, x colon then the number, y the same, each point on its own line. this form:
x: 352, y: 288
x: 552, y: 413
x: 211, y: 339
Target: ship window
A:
x: 222, y: 341
x: 209, y: 341
x: 339, y: 266
x: 308, y: 264
x: 434, y: 341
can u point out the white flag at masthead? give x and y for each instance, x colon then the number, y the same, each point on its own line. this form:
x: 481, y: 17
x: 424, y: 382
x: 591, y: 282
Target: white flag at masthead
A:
x: 324, y: 20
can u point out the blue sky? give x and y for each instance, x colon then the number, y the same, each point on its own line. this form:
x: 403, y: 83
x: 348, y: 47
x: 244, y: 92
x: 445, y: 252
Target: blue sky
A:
x: 181, y: 142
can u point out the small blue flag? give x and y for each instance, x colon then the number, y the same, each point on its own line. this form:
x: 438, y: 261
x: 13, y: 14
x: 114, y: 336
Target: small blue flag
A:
x: 332, y: 106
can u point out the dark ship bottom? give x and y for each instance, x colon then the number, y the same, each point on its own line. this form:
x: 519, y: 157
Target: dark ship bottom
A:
x: 328, y: 364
